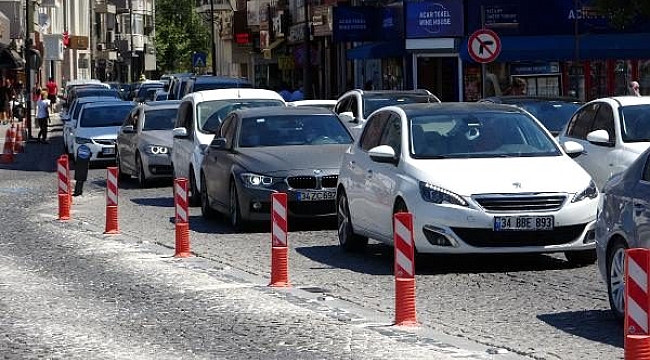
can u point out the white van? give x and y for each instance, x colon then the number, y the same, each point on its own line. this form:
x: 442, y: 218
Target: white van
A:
x: 199, y: 115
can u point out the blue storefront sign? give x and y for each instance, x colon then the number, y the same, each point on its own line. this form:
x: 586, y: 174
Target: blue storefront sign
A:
x: 441, y: 18
x: 354, y: 23
x: 535, y: 68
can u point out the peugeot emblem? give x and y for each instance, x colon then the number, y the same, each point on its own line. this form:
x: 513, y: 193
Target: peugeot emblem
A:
x: 517, y: 185
x: 318, y: 171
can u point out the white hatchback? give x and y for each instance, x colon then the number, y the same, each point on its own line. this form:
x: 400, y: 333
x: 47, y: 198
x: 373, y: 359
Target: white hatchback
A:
x: 478, y: 178
x: 203, y: 110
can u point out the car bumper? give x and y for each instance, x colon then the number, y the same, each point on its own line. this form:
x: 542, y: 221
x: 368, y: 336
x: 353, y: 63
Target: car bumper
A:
x: 465, y: 230
x: 157, y: 166
x: 255, y: 204
x: 99, y: 152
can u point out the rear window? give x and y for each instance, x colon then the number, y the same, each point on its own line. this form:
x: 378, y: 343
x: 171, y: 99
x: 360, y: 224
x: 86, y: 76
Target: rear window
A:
x: 211, y: 113
x: 162, y: 119
x: 104, y: 116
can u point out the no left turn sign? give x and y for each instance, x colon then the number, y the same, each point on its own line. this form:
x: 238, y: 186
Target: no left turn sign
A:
x: 484, y: 46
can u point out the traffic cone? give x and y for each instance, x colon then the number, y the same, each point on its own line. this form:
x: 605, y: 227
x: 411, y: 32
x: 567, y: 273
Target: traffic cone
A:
x: 7, y: 156
x: 19, y: 145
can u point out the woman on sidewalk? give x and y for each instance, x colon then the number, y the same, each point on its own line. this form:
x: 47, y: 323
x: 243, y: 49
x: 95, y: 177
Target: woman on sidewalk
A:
x: 43, y: 116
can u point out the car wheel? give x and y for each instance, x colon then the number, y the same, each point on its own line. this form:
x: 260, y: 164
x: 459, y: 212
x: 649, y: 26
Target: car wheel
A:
x: 142, y: 177
x: 581, y: 258
x: 235, y: 211
x: 194, y: 196
x: 121, y: 175
x: 616, y: 278
x: 206, y: 210
x: 348, y: 240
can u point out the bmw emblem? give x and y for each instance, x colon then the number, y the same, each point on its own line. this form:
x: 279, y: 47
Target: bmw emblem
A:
x: 318, y: 171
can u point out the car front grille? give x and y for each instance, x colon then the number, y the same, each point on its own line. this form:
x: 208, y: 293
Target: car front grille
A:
x: 329, y: 181
x: 507, y: 203
x: 105, y: 141
x: 302, y: 182
x: 489, y: 238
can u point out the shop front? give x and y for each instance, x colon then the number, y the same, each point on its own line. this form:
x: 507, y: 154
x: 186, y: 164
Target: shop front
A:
x: 581, y: 55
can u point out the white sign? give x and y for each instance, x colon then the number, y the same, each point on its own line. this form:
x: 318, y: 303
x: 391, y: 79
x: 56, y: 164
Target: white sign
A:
x: 53, y: 46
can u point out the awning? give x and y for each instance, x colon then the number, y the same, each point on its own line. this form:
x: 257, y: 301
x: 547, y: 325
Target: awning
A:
x: 563, y: 47
x: 377, y: 50
x: 10, y: 59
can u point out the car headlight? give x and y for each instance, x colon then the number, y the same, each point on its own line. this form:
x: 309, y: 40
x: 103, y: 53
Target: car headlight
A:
x: 255, y: 180
x: 80, y: 140
x: 156, y: 150
x: 591, y: 192
x: 438, y: 195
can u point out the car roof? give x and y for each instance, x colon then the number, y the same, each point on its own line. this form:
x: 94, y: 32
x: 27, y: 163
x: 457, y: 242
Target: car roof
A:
x: 165, y: 104
x: 98, y: 99
x: 513, y: 99
x: 104, y: 104
x: 281, y: 110
x: 208, y: 79
x: 457, y: 107
x: 626, y: 100
x: 312, y: 102
x: 233, y: 94
x: 82, y: 82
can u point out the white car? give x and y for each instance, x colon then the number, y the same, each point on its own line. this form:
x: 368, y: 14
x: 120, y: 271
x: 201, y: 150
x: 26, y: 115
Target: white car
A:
x: 478, y: 178
x: 327, y: 104
x: 203, y: 110
x: 614, y: 131
x: 97, y: 128
x: 69, y: 120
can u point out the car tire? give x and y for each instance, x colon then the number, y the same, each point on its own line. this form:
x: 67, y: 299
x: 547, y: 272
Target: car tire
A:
x: 234, y: 213
x: 121, y: 175
x: 616, y: 278
x: 348, y: 240
x: 142, y: 177
x: 206, y: 210
x: 194, y: 195
x: 581, y: 258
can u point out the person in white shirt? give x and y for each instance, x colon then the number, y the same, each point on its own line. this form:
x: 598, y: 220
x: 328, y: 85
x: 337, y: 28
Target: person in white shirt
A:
x: 43, y: 116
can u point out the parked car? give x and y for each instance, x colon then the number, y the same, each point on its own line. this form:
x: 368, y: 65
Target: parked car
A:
x: 144, y: 142
x: 613, y: 132
x: 553, y: 112
x: 97, y: 128
x: 623, y: 223
x: 327, y: 104
x: 177, y: 85
x: 85, y: 90
x: 204, y: 110
x: 267, y: 149
x: 70, y: 121
x: 478, y: 178
x: 145, y: 90
x: 209, y: 82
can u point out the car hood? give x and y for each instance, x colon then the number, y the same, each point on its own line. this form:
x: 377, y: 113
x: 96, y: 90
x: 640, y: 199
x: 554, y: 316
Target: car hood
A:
x: 504, y: 175
x: 109, y: 132
x: 157, y: 137
x: 279, y: 160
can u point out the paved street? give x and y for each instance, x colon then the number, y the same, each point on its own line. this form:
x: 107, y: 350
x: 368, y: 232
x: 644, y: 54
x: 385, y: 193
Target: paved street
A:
x: 68, y: 291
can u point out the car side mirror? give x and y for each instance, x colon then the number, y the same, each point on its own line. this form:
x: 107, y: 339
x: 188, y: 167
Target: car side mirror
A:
x: 573, y: 149
x: 128, y: 129
x: 347, y: 116
x: 218, y: 143
x: 383, y: 154
x: 599, y: 137
x: 179, y: 133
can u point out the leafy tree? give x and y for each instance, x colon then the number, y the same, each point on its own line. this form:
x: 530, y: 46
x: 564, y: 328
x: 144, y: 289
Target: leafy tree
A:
x: 624, y: 12
x: 180, y: 31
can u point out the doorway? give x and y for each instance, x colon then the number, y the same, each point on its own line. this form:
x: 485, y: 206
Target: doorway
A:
x: 439, y: 75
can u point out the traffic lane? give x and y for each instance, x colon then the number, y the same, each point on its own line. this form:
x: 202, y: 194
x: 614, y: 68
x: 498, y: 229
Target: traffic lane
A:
x: 534, y: 304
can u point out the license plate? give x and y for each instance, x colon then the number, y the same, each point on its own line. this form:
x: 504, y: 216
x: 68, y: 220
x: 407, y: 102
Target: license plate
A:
x: 523, y: 223
x: 316, y: 195
x: 108, y: 151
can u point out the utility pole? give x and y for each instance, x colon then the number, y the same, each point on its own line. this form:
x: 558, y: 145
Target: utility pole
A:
x: 306, y: 66
x: 131, y: 67
x: 214, y: 39
x: 27, y: 46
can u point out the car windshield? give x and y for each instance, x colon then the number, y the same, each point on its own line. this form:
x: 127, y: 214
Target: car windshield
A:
x: 553, y: 114
x: 98, y: 92
x: 211, y: 113
x: 478, y: 135
x: 160, y: 119
x: 100, y: 116
x: 374, y: 102
x: 635, y: 123
x: 78, y: 105
x: 283, y: 130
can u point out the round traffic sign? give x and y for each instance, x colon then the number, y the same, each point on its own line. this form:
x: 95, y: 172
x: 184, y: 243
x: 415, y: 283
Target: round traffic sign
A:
x: 484, y: 46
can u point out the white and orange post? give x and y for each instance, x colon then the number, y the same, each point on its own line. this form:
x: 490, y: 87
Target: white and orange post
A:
x: 404, y: 269
x: 63, y: 184
x: 111, y: 201
x: 279, y: 250
x: 637, y: 304
x: 182, y: 218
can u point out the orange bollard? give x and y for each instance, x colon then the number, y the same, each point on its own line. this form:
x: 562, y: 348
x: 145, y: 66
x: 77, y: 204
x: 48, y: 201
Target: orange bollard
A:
x: 64, y: 207
x: 181, y: 206
x: 111, y: 202
x: 7, y: 156
x: 404, y: 269
x: 637, y: 347
x: 19, y: 145
x: 279, y: 249
x: 63, y: 190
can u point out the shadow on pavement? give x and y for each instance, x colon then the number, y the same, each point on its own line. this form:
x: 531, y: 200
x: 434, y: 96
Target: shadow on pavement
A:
x: 594, y: 325
x: 377, y: 259
x: 166, y: 202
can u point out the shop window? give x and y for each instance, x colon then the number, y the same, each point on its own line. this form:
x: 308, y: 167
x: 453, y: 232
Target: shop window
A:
x: 598, y: 75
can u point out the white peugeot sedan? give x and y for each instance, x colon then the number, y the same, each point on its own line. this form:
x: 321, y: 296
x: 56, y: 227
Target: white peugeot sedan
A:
x: 478, y: 178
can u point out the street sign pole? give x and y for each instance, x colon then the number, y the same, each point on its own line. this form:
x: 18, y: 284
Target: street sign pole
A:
x: 483, y: 65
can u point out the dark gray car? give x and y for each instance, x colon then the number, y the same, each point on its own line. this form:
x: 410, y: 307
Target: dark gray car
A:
x: 263, y: 150
x: 144, y: 142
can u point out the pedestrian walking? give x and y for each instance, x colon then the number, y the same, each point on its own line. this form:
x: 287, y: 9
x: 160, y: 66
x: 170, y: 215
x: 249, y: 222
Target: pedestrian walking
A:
x: 634, y: 86
x: 43, y: 117
x: 52, y: 90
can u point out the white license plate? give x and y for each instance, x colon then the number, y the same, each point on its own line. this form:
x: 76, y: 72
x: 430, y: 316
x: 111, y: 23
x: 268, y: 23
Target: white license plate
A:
x: 523, y: 223
x: 316, y: 195
x: 108, y: 151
